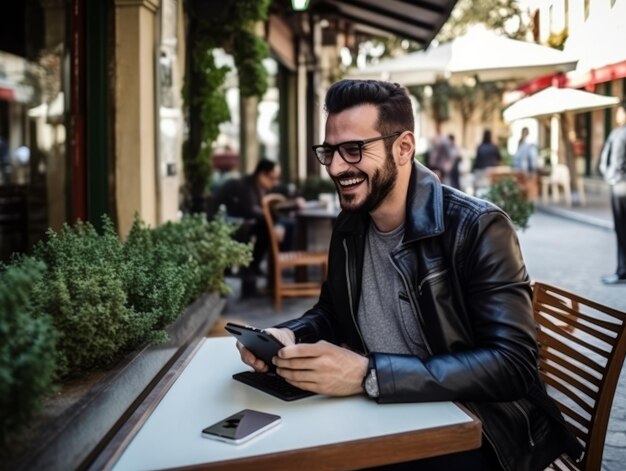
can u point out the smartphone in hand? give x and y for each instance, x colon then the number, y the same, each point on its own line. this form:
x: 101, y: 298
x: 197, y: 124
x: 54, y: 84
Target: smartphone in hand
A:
x: 241, y: 427
x: 264, y: 346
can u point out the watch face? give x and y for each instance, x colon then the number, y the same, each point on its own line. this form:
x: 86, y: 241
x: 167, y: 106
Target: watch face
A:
x: 371, y: 385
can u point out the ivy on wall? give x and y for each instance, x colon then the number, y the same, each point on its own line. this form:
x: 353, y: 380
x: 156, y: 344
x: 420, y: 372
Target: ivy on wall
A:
x: 212, y: 25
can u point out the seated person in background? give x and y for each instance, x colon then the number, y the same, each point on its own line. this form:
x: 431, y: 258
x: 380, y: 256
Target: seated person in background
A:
x: 427, y: 296
x: 487, y: 155
x: 241, y: 199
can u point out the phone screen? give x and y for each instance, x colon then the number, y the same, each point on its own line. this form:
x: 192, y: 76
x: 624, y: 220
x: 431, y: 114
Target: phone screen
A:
x: 241, y: 427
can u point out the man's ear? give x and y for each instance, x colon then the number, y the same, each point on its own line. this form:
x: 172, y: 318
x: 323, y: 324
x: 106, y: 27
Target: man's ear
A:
x: 406, y: 146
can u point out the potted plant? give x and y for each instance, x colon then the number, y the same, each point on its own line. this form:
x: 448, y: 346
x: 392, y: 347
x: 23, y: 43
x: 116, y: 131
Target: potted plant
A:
x: 507, y: 194
x: 90, y: 321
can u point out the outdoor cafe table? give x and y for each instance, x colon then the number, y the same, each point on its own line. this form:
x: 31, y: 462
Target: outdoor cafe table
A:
x: 313, y: 227
x: 318, y: 431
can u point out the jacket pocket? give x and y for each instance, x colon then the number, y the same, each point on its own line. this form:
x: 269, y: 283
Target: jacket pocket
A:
x: 430, y: 280
x: 411, y: 327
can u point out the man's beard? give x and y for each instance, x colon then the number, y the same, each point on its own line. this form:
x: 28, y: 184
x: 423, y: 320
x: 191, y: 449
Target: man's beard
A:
x: 382, y: 182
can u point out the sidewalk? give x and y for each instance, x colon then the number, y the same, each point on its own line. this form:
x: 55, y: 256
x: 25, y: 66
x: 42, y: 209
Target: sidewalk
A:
x: 595, y: 212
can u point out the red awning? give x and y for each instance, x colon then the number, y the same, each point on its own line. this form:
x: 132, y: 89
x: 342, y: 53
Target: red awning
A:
x: 7, y: 94
x: 575, y: 79
x: 533, y: 86
x: 594, y: 76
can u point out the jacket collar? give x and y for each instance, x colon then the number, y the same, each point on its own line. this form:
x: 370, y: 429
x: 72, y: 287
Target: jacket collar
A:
x: 424, y: 212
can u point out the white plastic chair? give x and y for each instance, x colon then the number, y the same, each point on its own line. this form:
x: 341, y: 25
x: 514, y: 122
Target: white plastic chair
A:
x: 560, y: 179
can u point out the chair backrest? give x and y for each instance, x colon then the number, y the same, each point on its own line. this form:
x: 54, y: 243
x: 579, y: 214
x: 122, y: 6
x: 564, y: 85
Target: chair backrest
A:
x: 581, y: 351
x: 268, y: 203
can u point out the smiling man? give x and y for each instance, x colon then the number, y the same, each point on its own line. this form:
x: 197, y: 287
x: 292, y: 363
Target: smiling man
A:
x: 427, y: 296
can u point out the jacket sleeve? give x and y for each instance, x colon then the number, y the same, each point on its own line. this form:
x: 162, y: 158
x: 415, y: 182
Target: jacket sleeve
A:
x: 316, y: 323
x: 501, y: 363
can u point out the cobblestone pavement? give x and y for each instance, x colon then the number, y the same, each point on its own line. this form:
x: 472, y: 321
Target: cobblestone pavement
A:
x: 559, y: 248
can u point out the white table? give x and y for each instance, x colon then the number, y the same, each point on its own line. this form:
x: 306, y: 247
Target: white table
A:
x: 339, y: 432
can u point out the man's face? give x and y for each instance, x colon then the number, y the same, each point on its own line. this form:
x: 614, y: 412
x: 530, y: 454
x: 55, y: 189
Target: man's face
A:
x: 269, y: 180
x: 363, y: 186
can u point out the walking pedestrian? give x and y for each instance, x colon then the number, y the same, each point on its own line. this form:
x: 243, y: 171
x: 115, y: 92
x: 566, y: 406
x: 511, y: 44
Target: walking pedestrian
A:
x: 613, y: 169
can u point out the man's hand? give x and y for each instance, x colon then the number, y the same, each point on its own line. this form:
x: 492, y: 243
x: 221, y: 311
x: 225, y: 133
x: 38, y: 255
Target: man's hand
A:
x: 322, y: 368
x: 284, y: 336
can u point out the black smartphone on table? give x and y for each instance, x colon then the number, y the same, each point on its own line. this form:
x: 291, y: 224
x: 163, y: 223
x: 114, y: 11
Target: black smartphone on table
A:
x: 241, y: 427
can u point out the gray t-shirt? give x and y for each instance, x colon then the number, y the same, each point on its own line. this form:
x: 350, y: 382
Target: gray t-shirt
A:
x: 385, y: 317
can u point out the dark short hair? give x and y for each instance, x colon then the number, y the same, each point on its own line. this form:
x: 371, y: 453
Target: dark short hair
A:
x: 622, y: 103
x: 487, y: 136
x: 395, y: 112
x: 264, y: 166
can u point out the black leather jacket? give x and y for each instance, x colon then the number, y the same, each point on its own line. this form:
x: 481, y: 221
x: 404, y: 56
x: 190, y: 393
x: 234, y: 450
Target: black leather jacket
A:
x: 465, y: 280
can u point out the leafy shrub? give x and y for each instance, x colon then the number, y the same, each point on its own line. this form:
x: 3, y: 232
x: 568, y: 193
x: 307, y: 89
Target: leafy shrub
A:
x: 154, y: 284
x: 84, y: 294
x: 508, y: 196
x: 106, y: 296
x: 27, y: 353
x: 205, y: 249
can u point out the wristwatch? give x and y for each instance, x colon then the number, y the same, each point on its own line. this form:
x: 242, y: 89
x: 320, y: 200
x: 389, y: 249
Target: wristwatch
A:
x: 370, y: 382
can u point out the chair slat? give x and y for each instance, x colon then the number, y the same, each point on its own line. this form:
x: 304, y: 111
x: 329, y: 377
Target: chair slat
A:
x: 570, y: 380
x: 548, y: 341
x: 577, y: 339
x: 568, y: 392
x: 572, y: 318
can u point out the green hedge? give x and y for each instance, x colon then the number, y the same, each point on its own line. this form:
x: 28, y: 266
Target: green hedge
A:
x: 84, y: 299
x: 27, y: 349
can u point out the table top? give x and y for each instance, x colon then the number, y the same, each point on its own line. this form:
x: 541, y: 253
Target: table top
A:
x: 330, y: 212
x: 354, y: 431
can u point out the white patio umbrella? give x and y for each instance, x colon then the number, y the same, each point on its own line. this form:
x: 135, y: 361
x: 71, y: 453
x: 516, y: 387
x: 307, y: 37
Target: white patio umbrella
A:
x: 553, y: 102
x: 480, y: 53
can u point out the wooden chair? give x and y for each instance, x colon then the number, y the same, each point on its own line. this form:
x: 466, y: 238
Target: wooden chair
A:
x: 283, y: 260
x: 581, y: 351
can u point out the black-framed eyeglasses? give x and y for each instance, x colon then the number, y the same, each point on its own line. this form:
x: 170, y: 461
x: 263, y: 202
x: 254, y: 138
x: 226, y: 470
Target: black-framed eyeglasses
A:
x: 350, y: 151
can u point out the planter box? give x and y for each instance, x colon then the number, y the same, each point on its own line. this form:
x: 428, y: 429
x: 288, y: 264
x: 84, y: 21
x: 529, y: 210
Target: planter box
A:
x: 78, y: 421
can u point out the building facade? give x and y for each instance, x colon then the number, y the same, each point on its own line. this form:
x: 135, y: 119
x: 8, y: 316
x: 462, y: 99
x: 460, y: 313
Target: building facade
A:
x: 92, y: 121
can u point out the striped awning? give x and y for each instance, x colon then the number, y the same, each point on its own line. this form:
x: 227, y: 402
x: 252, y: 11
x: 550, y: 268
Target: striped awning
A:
x: 418, y: 20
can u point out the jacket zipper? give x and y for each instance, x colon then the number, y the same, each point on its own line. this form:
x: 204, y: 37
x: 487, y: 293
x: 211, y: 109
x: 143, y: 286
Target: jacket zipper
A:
x: 350, y: 294
x: 527, y: 420
x: 411, y: 295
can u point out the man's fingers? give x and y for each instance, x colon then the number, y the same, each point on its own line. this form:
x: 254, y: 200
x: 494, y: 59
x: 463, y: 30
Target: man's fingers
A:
x: 304, y: 350
x: 250, y: 359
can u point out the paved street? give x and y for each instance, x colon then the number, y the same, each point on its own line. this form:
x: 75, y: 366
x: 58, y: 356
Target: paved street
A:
x: 557, y: 250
